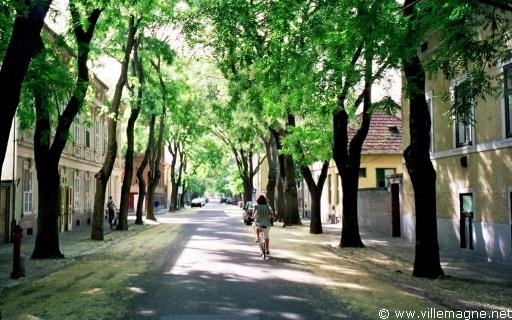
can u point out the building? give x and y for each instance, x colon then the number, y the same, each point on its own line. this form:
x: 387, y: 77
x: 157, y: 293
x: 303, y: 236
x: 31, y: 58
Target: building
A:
x: 81, y: 159
x: 381, y: 158
x: 473, y: 161
x: 161, y: 190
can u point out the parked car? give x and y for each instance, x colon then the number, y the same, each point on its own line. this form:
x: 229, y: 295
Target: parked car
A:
x: 248, y: 211
x: 231, y: 201
x: 198, y: 202
x: 223, y: 200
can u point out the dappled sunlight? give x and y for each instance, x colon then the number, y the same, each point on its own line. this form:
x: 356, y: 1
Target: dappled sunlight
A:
x: 381, y: 261
x: 147, y: 312
x: 31, y: 317
x: 93, y: 291
x: 284, y: 297
x: 353, y: 286
x: 289, y: 315
x: 370, y: 242
x: 136, y: 290
x: 340, y: 270
x: 486, y: 306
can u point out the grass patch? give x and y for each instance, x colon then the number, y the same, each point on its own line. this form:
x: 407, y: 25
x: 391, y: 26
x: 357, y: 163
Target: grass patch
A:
x: 95, y: 286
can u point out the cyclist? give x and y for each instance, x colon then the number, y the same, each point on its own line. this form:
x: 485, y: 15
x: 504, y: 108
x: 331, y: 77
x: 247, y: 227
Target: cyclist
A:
x: 262, y: 213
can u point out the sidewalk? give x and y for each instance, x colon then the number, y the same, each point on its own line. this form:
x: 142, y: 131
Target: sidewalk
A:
x: 455, y: 263
x: 74, y: 244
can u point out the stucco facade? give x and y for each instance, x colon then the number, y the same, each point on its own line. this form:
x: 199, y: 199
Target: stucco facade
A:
x: 81, y: 159
x: 473, y: 163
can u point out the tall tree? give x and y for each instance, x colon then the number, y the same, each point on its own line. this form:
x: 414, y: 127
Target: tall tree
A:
x: 140, y: 172
x: 103, y: 175
x: 137, y: 100
x: 47, y: 152
x: 24, y: 44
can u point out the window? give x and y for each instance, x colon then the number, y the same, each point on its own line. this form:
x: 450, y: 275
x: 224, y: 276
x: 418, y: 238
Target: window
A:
x: 105, y: 137
x: 329, y: 189
x: 463, y: 122
x: 27, y: 187
x: 381, y: 174
x: 76, y: 135
x: 431, y: 113
x: 508, y: 99
x: 77, y: 190
x: 87, y: 192
x: 97, y: 140
x: 337, y: 189
x: 88, y: 137
x: 362, y: 172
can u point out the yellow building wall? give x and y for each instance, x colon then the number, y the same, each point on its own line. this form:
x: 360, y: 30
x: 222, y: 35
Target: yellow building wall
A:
x: 378, y: 161
x: 487, y: 176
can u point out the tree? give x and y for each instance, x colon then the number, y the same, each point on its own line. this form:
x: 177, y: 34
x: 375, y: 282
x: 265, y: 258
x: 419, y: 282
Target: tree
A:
x: 307, y: 143
x: 137, y: 100
x: 354, y: 53
x: 47, y: 152
x: 24, y: 44
x: 103, y: 175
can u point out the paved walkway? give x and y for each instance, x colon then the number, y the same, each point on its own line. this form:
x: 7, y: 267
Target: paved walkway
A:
x: 73, y: 244
x: 459, y: 263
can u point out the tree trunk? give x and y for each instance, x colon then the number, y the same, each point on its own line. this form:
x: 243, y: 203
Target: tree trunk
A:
x: 180, y: 181
x: 173, y: 150
x: 47, y: 167
x: 427, y: 262
x: 347, y: 156
x: 128, y: 162
x: 47, y: 157
x: 140, y: 173
x: 315, y: 189
x: 248, y: 187
x: 281, y: 198
x: 290, y: 184
x: 47, y: 239
x: 103, y: 175
x: 272, y: 170
x: 350, y: 226
x: 24, y: 44
x: 154, y: 159
x: 291, y: 196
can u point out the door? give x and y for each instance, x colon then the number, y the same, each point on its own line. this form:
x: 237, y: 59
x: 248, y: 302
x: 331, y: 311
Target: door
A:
x: 395, y: 210
x: 131, y: 202
x: 466, y: 220
x: 4, y: 214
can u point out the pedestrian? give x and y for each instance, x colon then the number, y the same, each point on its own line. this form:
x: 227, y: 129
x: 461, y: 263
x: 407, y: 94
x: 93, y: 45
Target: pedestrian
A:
x: 111, y: 208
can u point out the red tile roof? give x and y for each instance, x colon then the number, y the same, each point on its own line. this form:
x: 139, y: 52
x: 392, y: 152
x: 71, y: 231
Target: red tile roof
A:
x: 384, y: 136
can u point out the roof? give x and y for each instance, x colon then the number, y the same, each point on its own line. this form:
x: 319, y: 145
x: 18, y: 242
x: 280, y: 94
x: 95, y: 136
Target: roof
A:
x: 384, y: 135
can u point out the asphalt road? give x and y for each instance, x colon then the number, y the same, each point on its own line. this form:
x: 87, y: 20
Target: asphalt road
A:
x: 215, y: 272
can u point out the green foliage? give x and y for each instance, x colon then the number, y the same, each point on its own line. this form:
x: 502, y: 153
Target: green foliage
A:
x: 7, y: 14
x: 472, y: 38
x: 47, y: 74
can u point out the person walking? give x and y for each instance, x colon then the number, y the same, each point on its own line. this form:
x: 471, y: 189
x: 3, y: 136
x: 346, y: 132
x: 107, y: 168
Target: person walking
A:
x: 111, y: 208
x: 262, y: 216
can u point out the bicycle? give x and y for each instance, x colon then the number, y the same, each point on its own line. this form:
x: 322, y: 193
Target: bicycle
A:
x: 263, y: 250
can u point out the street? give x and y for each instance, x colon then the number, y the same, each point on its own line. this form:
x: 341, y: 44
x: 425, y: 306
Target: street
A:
x: 203, y: 264
x: 215, y: 272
